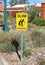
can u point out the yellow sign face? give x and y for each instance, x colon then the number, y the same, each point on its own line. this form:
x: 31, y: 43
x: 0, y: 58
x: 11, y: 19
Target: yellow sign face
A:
x: 21, y: 21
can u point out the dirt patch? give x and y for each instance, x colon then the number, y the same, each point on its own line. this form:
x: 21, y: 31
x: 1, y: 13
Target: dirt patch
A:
x: 12, y: 58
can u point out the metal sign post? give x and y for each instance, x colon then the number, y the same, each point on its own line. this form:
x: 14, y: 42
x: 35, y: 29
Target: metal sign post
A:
x: 5, y: 17
x: 21, y: 46
x: 21, y: 24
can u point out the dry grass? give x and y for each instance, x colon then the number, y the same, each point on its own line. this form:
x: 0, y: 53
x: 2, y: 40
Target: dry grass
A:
x: 8, y: 40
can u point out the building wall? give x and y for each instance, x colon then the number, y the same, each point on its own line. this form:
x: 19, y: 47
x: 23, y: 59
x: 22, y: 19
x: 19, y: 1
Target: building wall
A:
x: 15, y: 10
x: 43, y: 10
x: 13, y: 14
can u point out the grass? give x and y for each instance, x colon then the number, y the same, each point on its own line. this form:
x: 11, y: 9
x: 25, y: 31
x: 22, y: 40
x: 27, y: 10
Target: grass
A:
x: 9, y: 41
x: 39, y: 21
x: 38, y: 39
x: 1, y: 19
x: 35, y: 37
x: 6, y: 47
x: 42, y: 62
x: 32, y: 38
x: 27, y: 53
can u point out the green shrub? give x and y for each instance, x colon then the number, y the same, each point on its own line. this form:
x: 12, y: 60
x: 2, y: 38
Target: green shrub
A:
x: 1, y: 19
x: 42, y: 63
x: 27, y: 53
x: 6, y: 47
x: 9, y: 41
x: 32, y: 16
x: 39, y: 21
x: 35, y: 36
x: 38, y: 39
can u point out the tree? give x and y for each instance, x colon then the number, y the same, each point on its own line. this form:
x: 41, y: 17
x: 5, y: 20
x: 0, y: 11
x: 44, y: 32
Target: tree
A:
x: 14, y: 2
x: 33, y: 12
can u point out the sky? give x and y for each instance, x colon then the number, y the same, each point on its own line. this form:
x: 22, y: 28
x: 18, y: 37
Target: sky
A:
x: 30, y: 1
x: 34, y: 1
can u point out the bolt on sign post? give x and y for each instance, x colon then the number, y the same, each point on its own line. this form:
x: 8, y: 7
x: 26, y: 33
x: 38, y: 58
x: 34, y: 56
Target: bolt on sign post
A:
x: 22, y: 25
x: 5, y: 17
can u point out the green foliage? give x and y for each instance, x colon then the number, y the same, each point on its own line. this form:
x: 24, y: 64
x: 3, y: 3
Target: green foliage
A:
x: 11, y: 21
x: 6, y: 47
x: 38, y: 39
x: 9, y: 41
x: 39, y: 21
x: 27, y: 53
x: 1, y: 19
x: 42, y: 63
x: 33, y: 12
x: 32, y: 15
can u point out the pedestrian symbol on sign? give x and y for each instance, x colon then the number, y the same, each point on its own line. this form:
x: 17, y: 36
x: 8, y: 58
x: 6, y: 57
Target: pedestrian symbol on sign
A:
x: 21, y: 22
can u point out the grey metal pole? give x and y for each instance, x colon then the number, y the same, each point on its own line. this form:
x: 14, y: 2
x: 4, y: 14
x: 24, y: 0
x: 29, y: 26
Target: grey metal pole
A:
x: 21, y: 46
x: 21, y: 33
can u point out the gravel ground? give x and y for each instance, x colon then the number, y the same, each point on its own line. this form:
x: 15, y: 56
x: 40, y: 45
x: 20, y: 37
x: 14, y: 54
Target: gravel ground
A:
x: 37, y: 55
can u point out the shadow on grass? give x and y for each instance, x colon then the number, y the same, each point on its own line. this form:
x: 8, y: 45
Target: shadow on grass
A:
x: 16, y: 45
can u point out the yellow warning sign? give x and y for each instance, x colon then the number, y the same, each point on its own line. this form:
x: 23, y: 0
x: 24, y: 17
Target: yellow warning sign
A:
x: 21, y: 21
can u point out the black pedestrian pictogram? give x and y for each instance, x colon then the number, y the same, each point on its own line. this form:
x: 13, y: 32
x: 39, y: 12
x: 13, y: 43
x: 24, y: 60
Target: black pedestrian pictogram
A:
x: 21, y: 22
